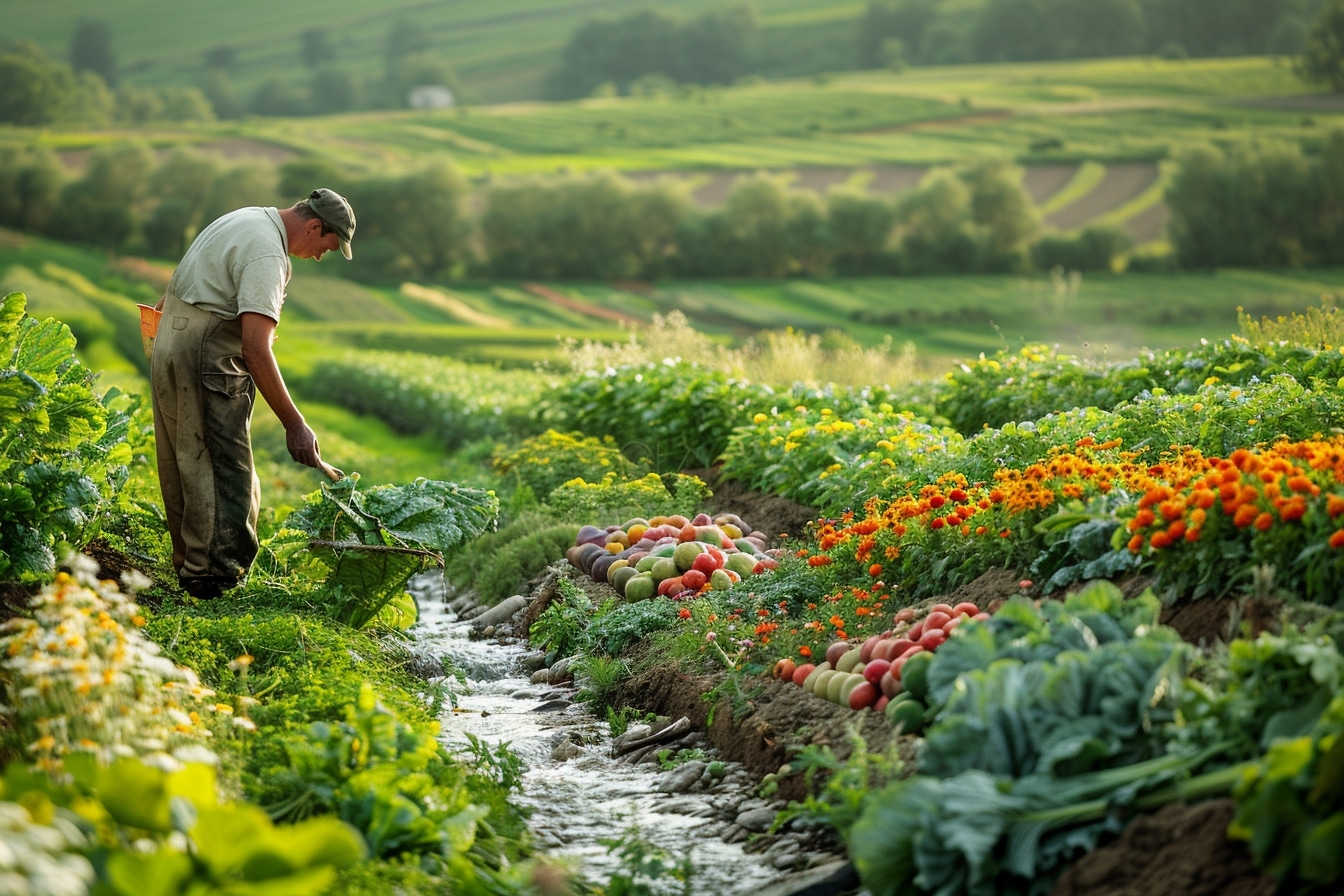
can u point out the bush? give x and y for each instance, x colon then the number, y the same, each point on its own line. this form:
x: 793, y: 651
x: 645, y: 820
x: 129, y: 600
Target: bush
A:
x: 544, y: 462
x: 676, y: 413
x: 611, y: 498
x: 1095, y: 248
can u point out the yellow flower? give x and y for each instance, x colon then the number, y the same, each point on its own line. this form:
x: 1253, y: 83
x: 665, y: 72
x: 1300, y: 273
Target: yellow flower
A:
x: 759, y: 418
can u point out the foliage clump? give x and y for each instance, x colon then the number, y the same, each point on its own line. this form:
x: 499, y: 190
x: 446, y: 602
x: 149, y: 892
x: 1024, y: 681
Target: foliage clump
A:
x: 63, y: 452
x: 544, y: 462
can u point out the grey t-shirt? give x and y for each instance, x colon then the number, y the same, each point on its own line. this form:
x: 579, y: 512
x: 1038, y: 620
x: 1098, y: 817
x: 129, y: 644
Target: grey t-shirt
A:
x: 238, y: 263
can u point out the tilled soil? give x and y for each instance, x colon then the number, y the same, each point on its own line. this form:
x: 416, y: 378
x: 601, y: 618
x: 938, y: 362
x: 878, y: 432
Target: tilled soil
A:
x: 1179, y: 849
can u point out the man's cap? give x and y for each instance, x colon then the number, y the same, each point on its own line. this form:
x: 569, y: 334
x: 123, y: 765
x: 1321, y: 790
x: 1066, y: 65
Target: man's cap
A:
x: 335, y: 212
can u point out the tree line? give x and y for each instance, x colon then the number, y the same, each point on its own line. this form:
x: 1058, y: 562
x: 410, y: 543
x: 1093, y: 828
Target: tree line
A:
x: 636, y: 53
x: 88, y: 88
x: 591, y: 226
x: 1265, y: 205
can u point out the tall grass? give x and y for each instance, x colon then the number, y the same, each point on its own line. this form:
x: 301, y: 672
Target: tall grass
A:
x: 1321, y: 327
x: 779, y: 358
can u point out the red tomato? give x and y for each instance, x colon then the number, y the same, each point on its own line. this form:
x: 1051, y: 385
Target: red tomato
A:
x: 875, y: 669
x: 863, y: 696
x: 898, y: 647
x: 705, y: 563
x: 937, y: 619
x: 933, y: 639
x: 694, y: 579
x: 867, y: 647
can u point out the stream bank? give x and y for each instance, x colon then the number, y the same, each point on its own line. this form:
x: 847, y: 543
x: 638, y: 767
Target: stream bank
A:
x: 586, y: 789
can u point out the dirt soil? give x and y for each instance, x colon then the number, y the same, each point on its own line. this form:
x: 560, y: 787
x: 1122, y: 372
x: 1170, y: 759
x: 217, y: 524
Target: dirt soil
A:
x: 1180, y: 849
x: 765, y: 729
x: 777, y: 517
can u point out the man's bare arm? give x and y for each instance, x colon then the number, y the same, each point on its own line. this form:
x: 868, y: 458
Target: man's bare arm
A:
x: 258, y: 335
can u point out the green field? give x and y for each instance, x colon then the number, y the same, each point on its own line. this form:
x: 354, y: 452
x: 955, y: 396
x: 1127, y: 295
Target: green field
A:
x: 501, y: 49
x: 521, y: 324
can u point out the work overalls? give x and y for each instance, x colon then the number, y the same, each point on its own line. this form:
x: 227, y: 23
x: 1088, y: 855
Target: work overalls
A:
x: 203, y: 399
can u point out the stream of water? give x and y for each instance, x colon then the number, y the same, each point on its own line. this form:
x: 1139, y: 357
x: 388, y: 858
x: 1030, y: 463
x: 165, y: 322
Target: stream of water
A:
x: 589, y: 796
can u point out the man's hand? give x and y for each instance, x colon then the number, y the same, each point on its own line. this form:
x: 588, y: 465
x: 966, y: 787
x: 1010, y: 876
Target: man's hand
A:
x: 302, y: 444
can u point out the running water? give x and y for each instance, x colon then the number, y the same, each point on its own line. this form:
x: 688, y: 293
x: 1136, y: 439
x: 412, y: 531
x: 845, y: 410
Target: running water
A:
x: 579, y: 794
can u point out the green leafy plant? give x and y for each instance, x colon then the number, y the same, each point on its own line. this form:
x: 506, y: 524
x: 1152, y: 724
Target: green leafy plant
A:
x: 63, y: 451
x: 838, y: 790
x: 379, y: 775
x: 646, y: 868
x: 137, y: 821
x: 677, y: 413
x: 371, y: 542
x: 1290, y: 806
x: 600, y: 676
x: 562, y: 627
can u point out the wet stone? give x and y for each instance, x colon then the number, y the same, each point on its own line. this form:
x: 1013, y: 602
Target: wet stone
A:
x: 735, y: 834
x: 756, y: 820
x: 532, y: 660
x: 682, y: 778
x: 688, y: 806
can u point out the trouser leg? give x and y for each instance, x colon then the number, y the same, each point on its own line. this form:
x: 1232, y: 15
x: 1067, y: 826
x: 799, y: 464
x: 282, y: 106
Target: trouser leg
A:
x: 203, y: 400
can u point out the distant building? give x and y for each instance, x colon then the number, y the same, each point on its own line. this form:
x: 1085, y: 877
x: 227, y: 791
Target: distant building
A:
x: 431, y: 96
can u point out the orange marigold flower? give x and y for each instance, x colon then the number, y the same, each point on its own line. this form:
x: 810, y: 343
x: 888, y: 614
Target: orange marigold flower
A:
x: 1204, y: 498
x: 965, y: 530
x: 1160, y: 540
x: 1337, y: 539
x: 684, y: 613
x: 996, y: 496
x: 937, y: 523
x: 1228, y: 491
x: 1192, y: 535
x: 1136, y: 544
x: 1302, y: 484
x: 836, y: 621
x: 875, y: 570
x: 1245, y: 515
x: 1264, y: 521
x: 819, y: 560
x: 1144, y: 518
x: 1176, y: 530
x: 1334, y: 505
x: 804, y: 650
x: 937, y: 501
x: 862, y: 611
x: 1292, y: 509
x: 1172, y: 510
x: 980, y: 530
x: 958, y: 494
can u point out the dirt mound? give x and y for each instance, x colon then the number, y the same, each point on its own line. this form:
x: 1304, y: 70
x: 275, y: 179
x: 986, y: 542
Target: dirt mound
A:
x: 763, y: 729
x: 1180, y: 849
x: 775, y: 516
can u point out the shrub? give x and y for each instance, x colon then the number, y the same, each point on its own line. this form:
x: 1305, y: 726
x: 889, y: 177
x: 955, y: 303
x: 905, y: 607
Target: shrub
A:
x: 551, y: 459
x: 676, y: 413
x: 611, y: 498
x: 1095, y: 248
